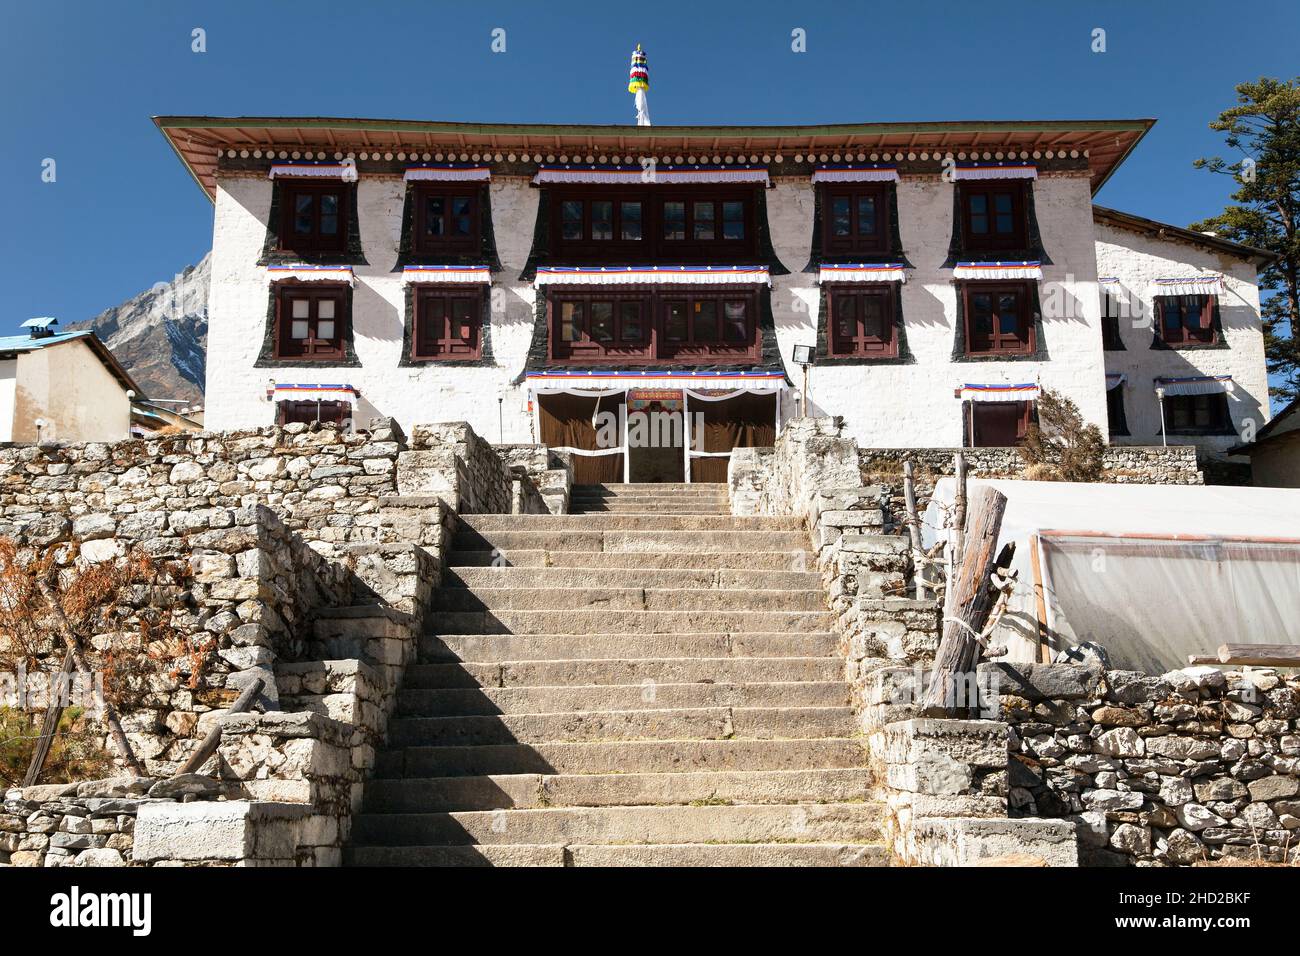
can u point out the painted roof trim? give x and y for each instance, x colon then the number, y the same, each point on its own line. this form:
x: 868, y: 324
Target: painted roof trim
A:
x: 1164, y: 230
x: 669, y: 137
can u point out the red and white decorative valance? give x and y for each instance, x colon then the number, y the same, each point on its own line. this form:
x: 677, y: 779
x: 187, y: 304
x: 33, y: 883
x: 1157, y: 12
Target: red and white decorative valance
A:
x: 346, y: 171
x: 995, y: 171
x: 664, y: 275
x: 862, y: 272
x: 846, y: 173
x: 568, y: 380
x: 1115, y: 380
x: 1196, y: 385
x: 1025, y: 392
x: 999, y: 270
x: 309, y: 273
x: 1188, y: 285
x: 448, y: 172
x: 651, y: 174
x: 313, y: 393
x: 447, y: 274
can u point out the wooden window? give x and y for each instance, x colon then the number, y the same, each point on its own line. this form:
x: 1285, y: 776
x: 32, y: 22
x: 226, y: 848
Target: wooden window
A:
x: 313, y: 216
x: 448, y: 324
x: 1197, y: 414
x: 999, y: 424
x: 446, y: 218
x: 706, y: 325
x: 1116, y: 421
x: 641, y: 224
x: 862, y: 322
x: 993, y: 216
x: 1110, y: 316
x: 587, y: 326
x: 998, y: 319
x: 339, y: 413
x: 855, y: 218
x: 311, y: 321
x: 1186, y: 319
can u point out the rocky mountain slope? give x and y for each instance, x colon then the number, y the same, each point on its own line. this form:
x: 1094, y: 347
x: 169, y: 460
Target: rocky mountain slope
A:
x: 160, y: 336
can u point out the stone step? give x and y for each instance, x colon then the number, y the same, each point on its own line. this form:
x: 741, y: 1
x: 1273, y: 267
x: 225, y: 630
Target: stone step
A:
x: 674, y: 489
x: 698, y: 723
x: 489, y: 648
x: 734, y: 542
x: 487, y: 524
x: 548, y: 599
x: 684, y: 670
x: 632, y: 622
x: 790, y: 559
x: 463, y: 701
x: 729, y: 854
x: 747, y: 823
x: 531, y: 790
x: 557, y: 577
x: 623, y: 756
x: 617, y: 506
x: 637, y: 854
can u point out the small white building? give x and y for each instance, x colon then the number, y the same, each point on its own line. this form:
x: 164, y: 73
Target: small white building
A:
x: 530, y: 278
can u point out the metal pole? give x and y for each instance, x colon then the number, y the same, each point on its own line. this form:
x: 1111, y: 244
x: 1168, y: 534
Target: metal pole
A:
x: 805, y: 392
x: 501, y: 428
x: 1160, y: 398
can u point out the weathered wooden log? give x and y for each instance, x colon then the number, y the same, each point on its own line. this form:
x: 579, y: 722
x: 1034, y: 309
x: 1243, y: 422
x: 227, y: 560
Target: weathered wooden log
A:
x: 919, y: 563
x: 958, y: 535
x: 50, y: 726
x: 969, y: 599
x: 73, y: 643
x: 1260, y: 655
x: 213, y: 738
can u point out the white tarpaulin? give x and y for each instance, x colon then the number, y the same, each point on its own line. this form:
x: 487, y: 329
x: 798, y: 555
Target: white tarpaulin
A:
x: 1153, y: 573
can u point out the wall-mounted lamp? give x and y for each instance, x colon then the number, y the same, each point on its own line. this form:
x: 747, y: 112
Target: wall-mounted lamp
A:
x: 803, y: 357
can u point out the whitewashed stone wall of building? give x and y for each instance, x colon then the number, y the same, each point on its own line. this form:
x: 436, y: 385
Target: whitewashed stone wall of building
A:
x: 892, y: 406
x: 236, y: 389
x: 1136, y: 260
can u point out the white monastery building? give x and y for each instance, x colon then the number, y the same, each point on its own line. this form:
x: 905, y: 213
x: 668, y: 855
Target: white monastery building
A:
x: 925, y: 280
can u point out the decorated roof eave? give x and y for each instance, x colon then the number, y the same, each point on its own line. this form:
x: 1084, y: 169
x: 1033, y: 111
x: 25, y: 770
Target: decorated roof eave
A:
x: 537, y: 135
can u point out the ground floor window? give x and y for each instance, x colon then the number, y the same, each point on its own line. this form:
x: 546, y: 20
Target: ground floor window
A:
x: 998, y: 424
x: 1116, y: 422
x: 1197, y: 414
x: 307, y: 412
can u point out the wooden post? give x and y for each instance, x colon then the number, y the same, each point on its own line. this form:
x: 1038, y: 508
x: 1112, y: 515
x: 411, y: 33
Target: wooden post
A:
x: 969, y: 599
x: 53, y: 712
x: 213, y: 738
x: 958, y: 515
x: 1040, y: 602
x: 73, y: 643
x: 914, y: 530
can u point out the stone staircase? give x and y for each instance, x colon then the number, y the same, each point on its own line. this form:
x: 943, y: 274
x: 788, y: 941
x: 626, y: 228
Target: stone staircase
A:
x: 648, y: 681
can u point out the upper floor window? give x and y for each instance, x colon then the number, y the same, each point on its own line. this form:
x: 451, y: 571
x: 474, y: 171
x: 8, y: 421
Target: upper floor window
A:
x: 446, y: 218
x: 862, y: 322
x: 600, y: 325
x: 311, y: 321
x: 1110, y: 316
x: 613, y: 225
x: 854, y: 218
x: 1186, y: 319
x: 998, y: 318
x: 706, y: 325
x: 313, y: 216
x: 993, y: 215
x: 447, y: 324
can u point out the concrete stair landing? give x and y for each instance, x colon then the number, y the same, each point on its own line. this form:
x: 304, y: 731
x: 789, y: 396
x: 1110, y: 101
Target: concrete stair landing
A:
x: 648, y: 681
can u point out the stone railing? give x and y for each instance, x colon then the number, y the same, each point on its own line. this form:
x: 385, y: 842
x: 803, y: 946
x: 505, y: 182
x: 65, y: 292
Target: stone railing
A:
x: 543, y: 479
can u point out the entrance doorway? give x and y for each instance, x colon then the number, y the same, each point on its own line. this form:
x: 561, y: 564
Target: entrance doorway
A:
x: 999, y: 424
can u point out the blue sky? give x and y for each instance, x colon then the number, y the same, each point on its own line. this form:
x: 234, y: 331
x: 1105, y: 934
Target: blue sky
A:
x: 83, y: 79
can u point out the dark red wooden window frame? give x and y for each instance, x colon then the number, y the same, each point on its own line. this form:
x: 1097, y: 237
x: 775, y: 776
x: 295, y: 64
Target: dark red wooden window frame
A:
x: 877, y: 242
x: 293, y: 241
x: 1026, y: 416
x: 1214, y: 404
x: 1203, y: 334
x: 312, y: 410
x: 441, y: 343
x: 990, y: 241
x: 312, y: 349
x: 861, y: 344
x: 654, y: 347
x: 1023, y: 341
x: 422, y: 243
x: 652, y: 246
